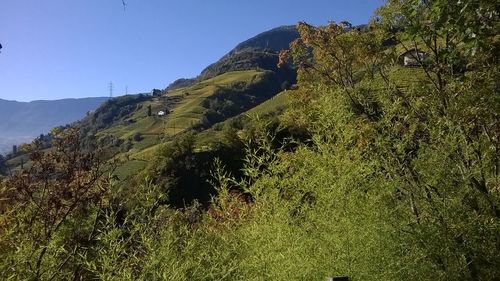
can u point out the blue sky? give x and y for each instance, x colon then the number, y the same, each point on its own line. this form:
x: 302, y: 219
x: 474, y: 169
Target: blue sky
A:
x: 56, y: 49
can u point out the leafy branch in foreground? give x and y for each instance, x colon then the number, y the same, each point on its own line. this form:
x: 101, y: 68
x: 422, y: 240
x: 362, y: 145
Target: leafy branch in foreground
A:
x: 49, y: 211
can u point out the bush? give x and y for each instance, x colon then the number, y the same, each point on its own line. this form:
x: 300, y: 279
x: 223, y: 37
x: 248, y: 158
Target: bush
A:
x: 137, y: 137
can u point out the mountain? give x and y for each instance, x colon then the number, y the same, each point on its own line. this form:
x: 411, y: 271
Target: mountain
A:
x: 257, y: 53
x: 131, y: 128
x: 275, y: 40
x: 22, y: 121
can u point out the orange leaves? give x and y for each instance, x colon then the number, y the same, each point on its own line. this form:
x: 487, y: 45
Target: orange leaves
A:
x: 58, y: 183
x: 283, y: 57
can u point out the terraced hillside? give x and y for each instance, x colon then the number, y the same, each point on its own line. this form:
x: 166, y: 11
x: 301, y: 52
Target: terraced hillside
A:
x: 139, y: 127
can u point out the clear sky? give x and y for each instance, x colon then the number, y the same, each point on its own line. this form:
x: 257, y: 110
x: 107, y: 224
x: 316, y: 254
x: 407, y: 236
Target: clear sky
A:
x: 56, y: 49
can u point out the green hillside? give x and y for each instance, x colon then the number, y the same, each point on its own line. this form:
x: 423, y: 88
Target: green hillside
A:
x: 135, y: 137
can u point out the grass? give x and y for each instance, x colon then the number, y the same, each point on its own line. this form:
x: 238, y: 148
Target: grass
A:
x: 276, y: 103
x: 189, y: 111
x: 184, y: 114
x: 270, y: 106
x: 129, y: 168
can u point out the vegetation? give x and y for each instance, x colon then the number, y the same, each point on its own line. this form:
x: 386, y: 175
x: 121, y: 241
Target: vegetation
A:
x: 371, y: 170
x: 50, y: 210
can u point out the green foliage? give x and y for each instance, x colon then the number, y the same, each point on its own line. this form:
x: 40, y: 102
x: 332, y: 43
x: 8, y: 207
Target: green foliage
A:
x: 183, y: 173
x: 431, y: 144
x: 118, y: 108
x: 48, y: 212
x: 374, y: 171
x: 233, y: 99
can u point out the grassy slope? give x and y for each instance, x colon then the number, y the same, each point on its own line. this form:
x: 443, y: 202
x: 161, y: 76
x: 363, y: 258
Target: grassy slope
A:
x: 277, y: 103
x: 189, y: 111
x: 273, y: 105
x: 184, y: 114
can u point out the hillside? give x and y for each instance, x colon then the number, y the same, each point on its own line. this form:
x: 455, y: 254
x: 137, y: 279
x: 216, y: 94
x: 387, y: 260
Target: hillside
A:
x: 124, y: 126
x: 22, y: 121
x: 242, y: 79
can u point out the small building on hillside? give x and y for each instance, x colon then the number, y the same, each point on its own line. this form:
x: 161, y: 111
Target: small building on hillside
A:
x: 161, y: 113
x: 413, y: 57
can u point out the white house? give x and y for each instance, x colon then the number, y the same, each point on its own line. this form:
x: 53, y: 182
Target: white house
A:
x: 161, y: 113
x: 413, y: 57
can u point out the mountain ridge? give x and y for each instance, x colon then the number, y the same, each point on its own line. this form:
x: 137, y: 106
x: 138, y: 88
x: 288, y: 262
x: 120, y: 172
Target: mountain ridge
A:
x: 259, y: 52
x: 24, y: 120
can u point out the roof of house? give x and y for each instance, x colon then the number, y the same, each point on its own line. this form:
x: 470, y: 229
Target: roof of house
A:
x: 412, y: 50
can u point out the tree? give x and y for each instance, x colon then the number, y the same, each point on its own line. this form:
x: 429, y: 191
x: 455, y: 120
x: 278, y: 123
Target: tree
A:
x: 148, y: 112
x: 454, y: 139
x: 285, y: 85
x: 137, y: 137
x: 50, y: 210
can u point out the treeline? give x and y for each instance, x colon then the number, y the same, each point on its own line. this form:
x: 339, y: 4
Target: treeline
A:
x: 376, y: 171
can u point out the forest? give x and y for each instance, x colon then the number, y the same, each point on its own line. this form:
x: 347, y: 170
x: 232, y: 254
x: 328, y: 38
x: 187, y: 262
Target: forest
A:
x: 375, y: 169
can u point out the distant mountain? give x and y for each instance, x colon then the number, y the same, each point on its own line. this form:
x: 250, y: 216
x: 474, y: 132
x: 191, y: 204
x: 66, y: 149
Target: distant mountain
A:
x: 23, y: 120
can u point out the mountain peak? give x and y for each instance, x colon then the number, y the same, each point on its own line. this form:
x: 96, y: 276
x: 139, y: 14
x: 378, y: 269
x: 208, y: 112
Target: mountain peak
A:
x: 258, y: 52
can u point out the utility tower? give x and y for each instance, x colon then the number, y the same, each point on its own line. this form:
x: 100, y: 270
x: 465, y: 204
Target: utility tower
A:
x: 110, y: 89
